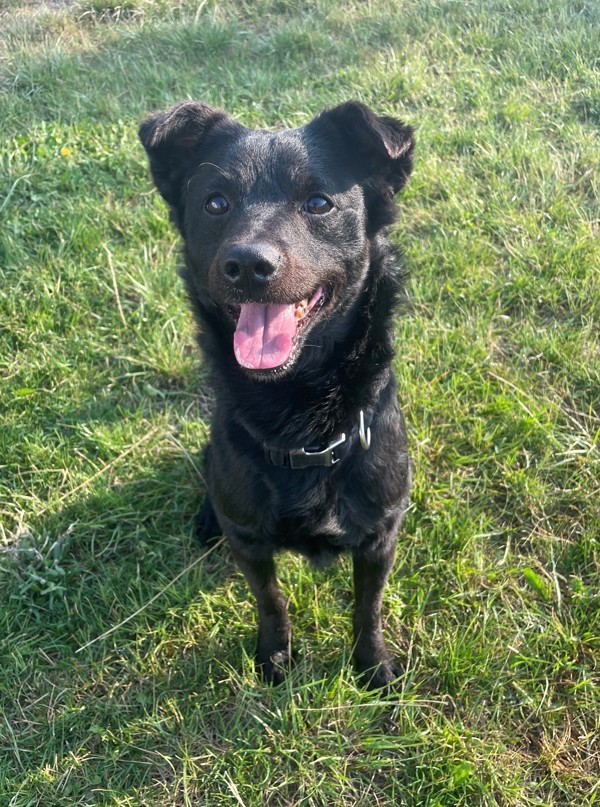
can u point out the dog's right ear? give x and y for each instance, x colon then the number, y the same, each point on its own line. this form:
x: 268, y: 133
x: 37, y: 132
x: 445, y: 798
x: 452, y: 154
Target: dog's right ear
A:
x: 172, y: 139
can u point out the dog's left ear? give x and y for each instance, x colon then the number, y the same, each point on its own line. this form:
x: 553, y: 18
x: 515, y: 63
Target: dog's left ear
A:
x: 384, y: 143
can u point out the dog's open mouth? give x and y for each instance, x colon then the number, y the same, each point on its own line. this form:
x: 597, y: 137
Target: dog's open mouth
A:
x: 266, y: 333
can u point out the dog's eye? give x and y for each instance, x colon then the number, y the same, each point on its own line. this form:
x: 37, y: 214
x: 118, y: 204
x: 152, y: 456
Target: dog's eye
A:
x: 318, y: 205
x: 216, y: 205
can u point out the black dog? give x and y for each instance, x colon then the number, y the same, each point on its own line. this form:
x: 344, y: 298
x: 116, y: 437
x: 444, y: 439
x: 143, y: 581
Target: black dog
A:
x: 294, y: 286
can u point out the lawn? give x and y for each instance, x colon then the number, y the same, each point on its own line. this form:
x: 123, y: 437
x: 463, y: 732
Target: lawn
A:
x: 125, y: 654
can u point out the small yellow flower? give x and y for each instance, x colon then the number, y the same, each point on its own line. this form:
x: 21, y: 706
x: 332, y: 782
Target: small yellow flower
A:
x: 65, y: 151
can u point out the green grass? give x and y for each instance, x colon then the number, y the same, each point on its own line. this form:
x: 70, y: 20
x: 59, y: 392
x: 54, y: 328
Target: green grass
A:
x: 104, y: 408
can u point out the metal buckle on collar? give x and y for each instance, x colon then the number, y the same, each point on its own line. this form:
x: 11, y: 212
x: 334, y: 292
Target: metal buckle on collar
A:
x: 303, y: 458
x: 364, y: 434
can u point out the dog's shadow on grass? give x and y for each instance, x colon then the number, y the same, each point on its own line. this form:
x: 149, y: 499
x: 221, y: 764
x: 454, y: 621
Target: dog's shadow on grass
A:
x: 126, y: 558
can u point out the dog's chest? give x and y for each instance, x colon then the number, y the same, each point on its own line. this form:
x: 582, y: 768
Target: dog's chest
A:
x: 313, y: 517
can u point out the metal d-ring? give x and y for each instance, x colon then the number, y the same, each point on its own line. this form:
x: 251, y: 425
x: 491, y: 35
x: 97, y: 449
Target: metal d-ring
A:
x: 364, y: 435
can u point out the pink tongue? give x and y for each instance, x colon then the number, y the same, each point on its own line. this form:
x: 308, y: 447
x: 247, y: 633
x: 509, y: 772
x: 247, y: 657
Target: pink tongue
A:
x: 264, y: 336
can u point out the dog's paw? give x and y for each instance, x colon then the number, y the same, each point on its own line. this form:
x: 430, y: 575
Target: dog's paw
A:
x: 274, y: 667
x: 207, y: 526
x: 383, y: 675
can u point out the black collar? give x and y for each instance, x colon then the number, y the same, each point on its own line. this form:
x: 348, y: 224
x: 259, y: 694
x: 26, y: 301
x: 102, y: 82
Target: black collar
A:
x: 325, y: 455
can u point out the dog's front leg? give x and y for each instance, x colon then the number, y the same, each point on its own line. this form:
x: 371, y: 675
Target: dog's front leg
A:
x: 273, y: 651
x: 372, y: 567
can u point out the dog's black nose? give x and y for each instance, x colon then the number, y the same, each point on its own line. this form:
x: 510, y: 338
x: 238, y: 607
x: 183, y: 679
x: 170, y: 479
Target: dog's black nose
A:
x: 251, y: 266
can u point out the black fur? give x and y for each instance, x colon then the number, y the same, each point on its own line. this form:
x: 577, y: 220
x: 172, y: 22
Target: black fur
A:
x: 266, y: 244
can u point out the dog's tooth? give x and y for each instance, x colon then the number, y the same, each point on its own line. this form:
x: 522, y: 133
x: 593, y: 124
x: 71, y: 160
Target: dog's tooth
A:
x: 300, y: 310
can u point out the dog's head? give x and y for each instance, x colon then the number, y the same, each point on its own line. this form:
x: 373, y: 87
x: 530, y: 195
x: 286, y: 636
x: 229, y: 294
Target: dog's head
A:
x: 278, y: 227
